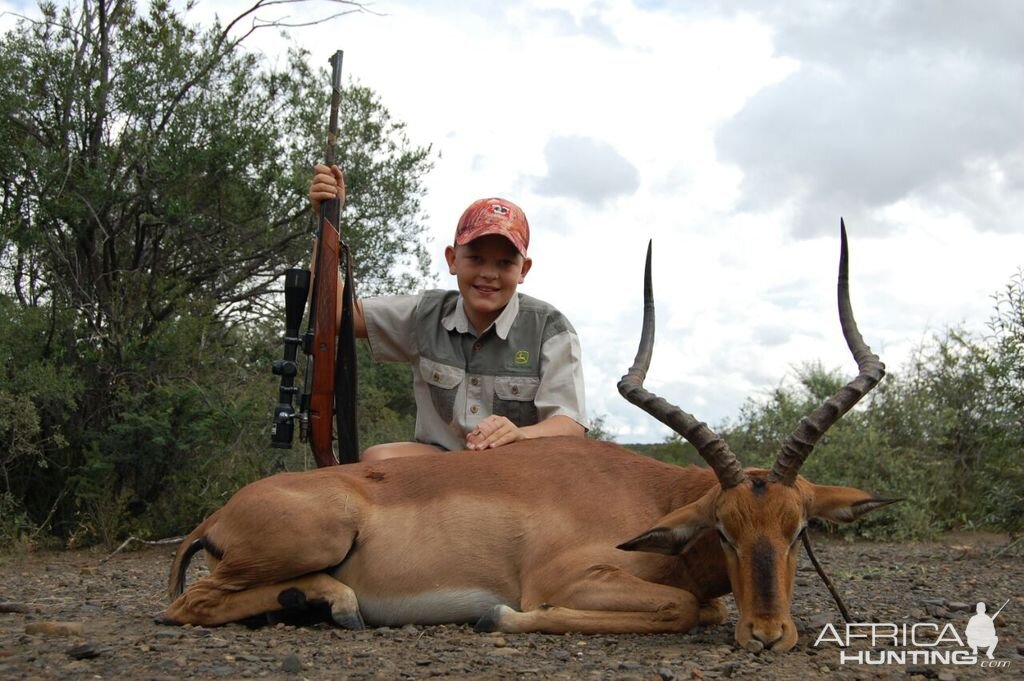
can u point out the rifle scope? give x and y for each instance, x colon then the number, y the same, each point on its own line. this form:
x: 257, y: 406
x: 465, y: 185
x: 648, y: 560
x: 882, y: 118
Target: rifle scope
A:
x: 296, y: 289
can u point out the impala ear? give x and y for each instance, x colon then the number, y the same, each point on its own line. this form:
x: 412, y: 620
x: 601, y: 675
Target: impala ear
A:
x: 669, y: 541
x: 675, y: 532
x: 844, y: 504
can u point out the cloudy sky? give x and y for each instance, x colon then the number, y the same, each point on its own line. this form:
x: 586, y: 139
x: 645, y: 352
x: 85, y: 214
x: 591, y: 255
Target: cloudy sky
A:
x: 733, y: 133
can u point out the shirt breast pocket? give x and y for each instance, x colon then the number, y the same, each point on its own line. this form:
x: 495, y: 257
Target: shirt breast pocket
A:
x: 443, y: 380
x: 514, y: 398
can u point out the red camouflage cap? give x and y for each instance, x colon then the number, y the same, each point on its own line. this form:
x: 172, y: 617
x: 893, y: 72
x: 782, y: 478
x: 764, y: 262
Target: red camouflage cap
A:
x: 494, y: 216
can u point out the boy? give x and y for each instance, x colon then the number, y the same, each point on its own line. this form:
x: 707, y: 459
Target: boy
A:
x: 490, y: 366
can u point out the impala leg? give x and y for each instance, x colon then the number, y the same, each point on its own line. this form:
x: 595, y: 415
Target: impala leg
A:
x: 208, y: 603
x: 604, y: 600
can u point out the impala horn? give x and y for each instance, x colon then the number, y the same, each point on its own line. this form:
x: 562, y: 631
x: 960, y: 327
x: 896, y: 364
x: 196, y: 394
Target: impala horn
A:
x: 797, y: 447
x: 712, y: 448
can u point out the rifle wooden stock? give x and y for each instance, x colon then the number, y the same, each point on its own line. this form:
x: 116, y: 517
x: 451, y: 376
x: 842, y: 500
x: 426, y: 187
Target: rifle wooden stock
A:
x: 324, y: 343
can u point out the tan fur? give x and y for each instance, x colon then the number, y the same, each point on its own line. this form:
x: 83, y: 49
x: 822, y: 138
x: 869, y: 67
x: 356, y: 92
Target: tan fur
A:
x: 532, y: 525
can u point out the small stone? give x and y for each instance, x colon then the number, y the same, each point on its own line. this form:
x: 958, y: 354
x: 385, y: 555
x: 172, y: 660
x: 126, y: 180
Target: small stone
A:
x: 729, y: 668
x: 946, y: 675
x: 84, y: 651
x: 15, y: 607
x: 499, y: 642
x: 819, y: 620
x: 291, y: 664
x: 667, y: 675
x: 423, y: 663
x: 562, y: 655
x: 959, y: 606
x: 629, y: 666
x: 753, y: 646
x: 54, y: 628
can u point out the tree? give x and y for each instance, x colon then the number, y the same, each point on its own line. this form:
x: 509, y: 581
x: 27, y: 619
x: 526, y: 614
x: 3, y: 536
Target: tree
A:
x: 154, y: 176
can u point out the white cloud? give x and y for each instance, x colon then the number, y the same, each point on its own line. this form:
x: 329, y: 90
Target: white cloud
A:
x: 587, y: 170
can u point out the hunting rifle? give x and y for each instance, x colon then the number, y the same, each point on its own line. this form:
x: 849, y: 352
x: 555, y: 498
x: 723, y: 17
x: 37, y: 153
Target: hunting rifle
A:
x: 329, y: 387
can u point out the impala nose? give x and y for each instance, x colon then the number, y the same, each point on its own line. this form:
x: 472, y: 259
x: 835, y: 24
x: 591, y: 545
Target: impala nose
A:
x: 768, y: 632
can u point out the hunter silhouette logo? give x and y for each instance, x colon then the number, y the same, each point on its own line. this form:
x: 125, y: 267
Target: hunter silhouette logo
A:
x: 981, y: 630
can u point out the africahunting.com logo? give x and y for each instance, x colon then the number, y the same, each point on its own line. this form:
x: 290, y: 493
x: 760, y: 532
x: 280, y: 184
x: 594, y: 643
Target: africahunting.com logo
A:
x: 919, y: 643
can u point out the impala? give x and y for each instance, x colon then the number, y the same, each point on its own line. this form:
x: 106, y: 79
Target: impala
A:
x: 549, y: 535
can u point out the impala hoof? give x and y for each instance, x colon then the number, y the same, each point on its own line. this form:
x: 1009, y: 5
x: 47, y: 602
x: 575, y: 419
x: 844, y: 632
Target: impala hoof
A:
x: 348, y: 620
x: 491, y: 621
x: 164, y: 618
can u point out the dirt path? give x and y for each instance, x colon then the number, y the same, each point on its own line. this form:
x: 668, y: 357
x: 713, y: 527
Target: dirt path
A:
x: 113, y: 603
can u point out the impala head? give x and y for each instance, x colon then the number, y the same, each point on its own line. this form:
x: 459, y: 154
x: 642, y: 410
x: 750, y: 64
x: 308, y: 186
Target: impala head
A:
x: 757, y: 514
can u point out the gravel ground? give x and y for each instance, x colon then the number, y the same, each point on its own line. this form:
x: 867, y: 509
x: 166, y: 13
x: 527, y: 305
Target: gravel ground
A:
x: 70, y: 615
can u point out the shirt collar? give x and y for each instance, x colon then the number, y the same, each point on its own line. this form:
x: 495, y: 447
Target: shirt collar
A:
x: 458, y: 321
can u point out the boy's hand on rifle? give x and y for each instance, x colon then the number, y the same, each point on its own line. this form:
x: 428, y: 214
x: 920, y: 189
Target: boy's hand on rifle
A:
x: 328, y: 182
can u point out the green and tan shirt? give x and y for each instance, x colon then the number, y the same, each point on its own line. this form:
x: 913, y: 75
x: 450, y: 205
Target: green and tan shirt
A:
x: 526, y: 366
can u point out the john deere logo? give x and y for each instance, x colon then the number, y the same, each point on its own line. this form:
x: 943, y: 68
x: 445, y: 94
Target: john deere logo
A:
x: 522, y: 357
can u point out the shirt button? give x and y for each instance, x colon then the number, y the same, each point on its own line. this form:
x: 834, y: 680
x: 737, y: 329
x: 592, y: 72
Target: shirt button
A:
x: 476, y: 347
x: 475, y: 380
x: 515, y: 390
x: 437, y: 376
x: 474, y: 409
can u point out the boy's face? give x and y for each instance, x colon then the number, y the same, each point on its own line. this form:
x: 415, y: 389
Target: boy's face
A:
x: 488, y: 271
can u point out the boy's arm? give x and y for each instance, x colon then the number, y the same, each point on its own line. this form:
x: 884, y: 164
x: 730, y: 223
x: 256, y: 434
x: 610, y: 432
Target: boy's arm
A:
x: 556, y: 425
x: 497, y: 431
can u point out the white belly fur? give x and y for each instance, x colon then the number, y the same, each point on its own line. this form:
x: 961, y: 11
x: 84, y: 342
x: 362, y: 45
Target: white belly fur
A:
x: 445, y: 606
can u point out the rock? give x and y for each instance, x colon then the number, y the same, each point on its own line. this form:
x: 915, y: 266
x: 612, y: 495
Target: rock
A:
x: 84, y: 651
x: 291, y: 664
x: 946, y: 675
x: 729, y: 668
x: 959, y: 606
x: 629, y: 666
x: 816, y: 622
x: 54, y: 628
x: 15, y: 607
x: 753, y: 646
x: 923, y: 672
x: 562, y: 655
